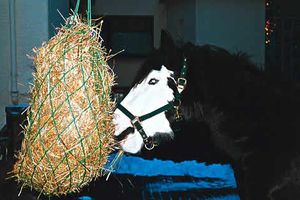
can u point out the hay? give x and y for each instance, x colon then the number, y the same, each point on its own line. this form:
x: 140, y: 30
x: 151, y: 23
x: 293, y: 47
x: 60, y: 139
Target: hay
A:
x: 70, y: 131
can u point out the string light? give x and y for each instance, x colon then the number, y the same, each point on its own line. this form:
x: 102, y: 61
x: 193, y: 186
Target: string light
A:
x: 268, y: 31
x: 268, y: 24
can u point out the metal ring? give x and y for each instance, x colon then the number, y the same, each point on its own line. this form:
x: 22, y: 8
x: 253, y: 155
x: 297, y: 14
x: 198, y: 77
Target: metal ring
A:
x: 180, y: 87
x: 151, y: 147
x: 177, y: 103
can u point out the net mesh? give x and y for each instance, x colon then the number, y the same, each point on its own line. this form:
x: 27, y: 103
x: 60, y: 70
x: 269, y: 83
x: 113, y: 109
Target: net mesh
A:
x: 70, y: 131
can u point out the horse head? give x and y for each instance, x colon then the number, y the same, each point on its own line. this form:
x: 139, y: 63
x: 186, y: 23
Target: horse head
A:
x: 141, y: 116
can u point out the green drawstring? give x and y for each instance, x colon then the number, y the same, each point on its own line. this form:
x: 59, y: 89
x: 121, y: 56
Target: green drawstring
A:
x: 89, y: 11
x: 77, y: 7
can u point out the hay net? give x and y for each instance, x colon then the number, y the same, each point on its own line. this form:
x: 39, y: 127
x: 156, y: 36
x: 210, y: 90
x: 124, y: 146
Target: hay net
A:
x: 70, y: 130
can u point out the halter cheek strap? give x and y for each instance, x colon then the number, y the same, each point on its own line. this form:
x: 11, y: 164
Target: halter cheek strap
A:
x: 136, y: 121
x: 181, y: 81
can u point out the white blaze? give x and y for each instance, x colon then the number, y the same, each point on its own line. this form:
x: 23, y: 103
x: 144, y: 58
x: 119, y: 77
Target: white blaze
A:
x: 143, y: 99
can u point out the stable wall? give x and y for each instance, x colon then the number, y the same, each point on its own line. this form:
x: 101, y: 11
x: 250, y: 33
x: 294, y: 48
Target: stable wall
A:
x: 218, y: 22
x: 236, y: 25
x: 134, y: 8
x: 181, y: 20
x: 233, y: 25
x: 126, y: 68
x: 4, y: 60
x: 33, y: 19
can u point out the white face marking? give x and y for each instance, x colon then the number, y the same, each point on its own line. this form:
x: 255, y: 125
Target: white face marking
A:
x: 152, y: 93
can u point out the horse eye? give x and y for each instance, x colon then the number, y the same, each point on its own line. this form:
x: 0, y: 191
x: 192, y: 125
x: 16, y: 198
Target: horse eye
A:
x: 152, y: 81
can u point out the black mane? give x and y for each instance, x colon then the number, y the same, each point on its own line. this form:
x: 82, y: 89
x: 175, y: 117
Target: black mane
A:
x: 233, y: 113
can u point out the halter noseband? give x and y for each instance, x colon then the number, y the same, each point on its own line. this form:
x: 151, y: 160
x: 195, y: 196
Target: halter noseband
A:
x: 136, y: 121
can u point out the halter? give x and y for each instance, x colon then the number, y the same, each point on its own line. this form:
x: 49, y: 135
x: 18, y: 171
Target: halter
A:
x: 136, y: 120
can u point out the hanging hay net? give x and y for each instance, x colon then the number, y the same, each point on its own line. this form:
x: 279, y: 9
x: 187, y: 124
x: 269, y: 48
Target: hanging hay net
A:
x: 70, y: 131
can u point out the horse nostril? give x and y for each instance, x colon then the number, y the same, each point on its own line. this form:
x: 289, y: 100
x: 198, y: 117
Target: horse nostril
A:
x: 124, y: 134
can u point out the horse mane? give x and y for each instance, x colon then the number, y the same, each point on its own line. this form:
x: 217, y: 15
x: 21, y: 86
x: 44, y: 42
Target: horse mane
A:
x: 205, y: 63
x: 234, y: 112
x: 224, y: 86
x: 167, y: 54
x: 153, y: 62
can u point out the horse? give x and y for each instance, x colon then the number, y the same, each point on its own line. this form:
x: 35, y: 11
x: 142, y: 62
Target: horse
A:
x: 205, y: 103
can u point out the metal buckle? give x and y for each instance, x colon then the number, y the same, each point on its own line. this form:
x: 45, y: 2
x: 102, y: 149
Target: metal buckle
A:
x: 136, y: 119
x: 180, y: 87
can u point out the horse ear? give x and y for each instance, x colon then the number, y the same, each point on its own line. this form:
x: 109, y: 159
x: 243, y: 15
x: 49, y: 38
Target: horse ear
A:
x: 166, y: 41
x: 163, y: 68
x: 168, y: 49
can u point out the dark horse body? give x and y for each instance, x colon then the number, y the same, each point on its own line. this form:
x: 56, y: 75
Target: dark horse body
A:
x: 233, y: 114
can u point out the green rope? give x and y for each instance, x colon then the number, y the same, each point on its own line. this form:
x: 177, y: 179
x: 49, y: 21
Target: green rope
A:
x: 84, y: 86
x: 80, y: 141
x: 99, y: 75
x: 89, y: 155
x: 52, y: 114
x: 29, y: 130
x: 58, y: 107
x: 98, y: 92
x: 89, y: 10
x: 50, y: 68
x: 77, y: 8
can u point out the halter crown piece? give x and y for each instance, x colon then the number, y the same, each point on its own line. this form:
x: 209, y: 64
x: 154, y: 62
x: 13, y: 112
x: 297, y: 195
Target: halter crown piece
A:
x: 136, y: 121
